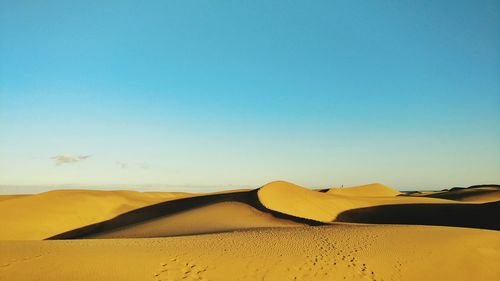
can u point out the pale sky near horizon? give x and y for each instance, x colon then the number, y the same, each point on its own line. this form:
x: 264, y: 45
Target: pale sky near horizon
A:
x: 241, y: 93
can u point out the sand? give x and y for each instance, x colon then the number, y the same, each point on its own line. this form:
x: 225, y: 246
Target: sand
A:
x: 39, y: 216
x: 15, y: 196
x: 356, y: 203
x: 374, y: 189
x: 280, y: 231
x: 475, y: 195
x: 219, y: 217
x: 305, y: 253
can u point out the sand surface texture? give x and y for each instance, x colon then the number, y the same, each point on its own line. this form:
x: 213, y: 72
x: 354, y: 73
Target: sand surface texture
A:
x: 280, y: 231
x: 306, y: 253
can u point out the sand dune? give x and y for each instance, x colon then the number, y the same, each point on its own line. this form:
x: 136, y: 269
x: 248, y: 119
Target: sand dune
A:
x: 69, y: 214
x: 375, y: 190
x: 218, y: 217
x: 161, y: 215
x: 325, y: 207
x: 481, y: 194
x: 280, y: 231
x: 14, y: 196
x: 284, y: 204
x: 303, y: 253
x: 43, y: 215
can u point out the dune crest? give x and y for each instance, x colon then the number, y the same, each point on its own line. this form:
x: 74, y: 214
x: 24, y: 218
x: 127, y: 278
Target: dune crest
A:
x: 325, y: 207
x: 280, y: 231
x: 213, y: 218
x: 299, y: 201
x: 374, y: 189
x: 70, y: 214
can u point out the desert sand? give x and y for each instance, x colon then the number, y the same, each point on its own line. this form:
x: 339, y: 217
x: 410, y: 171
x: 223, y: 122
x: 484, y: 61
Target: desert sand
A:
x: 280, y: 231
x: 36, y: 217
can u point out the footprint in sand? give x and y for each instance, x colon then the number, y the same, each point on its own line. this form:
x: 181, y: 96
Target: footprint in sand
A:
x: 176, y: 269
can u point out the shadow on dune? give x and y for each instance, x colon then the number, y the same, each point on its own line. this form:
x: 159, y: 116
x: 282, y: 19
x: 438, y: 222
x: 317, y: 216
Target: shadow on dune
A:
x: 483, y: 216
x: 458, y: 194
x: 473, y: 186
x: 174, y: 207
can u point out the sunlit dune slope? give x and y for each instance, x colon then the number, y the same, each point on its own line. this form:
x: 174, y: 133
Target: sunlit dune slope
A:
x: 207, y: 213
x: 375, y: 189
x: 378, y: 252
x: 46, y: 214
x: 371, y: 204
x: 218, y: 217
x: 67, y: 214
x: 295, y: 200
x: 285, y: 204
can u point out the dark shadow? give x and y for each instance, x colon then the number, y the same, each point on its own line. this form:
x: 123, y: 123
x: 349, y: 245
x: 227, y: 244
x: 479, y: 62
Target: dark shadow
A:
x: 483, y: 216
x: 173, y: 207
x: 456, y: 194
x: 409, y: 193
x: 485, y: 185
x: 472, y: 187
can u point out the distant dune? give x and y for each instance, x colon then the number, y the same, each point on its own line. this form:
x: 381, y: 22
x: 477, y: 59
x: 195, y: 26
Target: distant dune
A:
x: 38, y: 216
x: 373, y: 190
x: 477, y: 194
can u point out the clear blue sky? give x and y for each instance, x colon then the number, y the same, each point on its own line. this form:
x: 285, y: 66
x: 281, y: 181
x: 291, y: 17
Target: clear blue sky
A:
x: 218, y: 93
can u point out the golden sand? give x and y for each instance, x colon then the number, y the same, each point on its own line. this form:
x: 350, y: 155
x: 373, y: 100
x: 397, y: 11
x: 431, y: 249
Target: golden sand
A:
x: 279, y: 232
x: 39, y: 216
x: 305, y: 253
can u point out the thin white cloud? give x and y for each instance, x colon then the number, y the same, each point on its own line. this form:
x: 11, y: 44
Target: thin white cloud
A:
x: 68, y: 159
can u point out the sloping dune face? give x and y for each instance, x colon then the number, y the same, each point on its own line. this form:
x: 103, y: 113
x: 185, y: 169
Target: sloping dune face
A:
x: 295, y: 200
x: 411, y: 253
x: 369, y: 190
x: 39, y: 216
x: 71, y: 214
x: 218, y: 217
x: 206, y: 213
x: 380, y: 204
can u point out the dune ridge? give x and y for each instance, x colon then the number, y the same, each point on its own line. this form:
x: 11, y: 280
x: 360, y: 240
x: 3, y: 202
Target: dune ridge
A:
x: 159, y: 215
x: 212, y: 218
x: 328, y: 206
x: 283, y: 204
x: 374, y: 189
x: 280, y: 231
x: 70, y: 214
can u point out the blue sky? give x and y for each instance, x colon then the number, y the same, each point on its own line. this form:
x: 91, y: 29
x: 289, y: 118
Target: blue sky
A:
x: 220, y: 93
